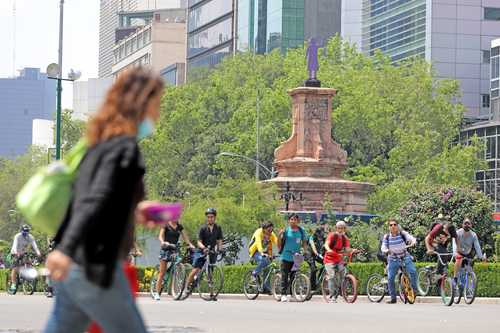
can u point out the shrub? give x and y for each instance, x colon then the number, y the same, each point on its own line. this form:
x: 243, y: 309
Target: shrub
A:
x: 455, y: 204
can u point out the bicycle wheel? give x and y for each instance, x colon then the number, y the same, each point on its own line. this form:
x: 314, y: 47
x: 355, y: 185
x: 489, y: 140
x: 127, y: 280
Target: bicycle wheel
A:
x: 447, y: 290
x: 276, y: 286
x: 350, y: 288
x: 325, y: 290
x: 408, y: 292
x: 251, y: 285
x: 301, y: 287
x: 178, y: 282
x: 375, y: 288
x: 210, y: 283
x: 400, y: 288
x: 29, y: 286
x: 423, y: 282
x: 459, y: 289
x: 470, y: 287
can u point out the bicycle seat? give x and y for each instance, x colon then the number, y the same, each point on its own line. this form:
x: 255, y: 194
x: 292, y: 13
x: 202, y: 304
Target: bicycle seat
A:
x: 429, y: 267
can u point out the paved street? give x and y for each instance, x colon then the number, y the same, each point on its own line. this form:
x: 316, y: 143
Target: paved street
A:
x: 28, y: 314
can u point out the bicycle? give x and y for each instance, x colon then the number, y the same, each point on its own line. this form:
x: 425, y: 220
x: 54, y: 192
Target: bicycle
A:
x: 253, y: 286
x: 377, y: 286
x: 345, y: 284
x: 428, y: 277
x: 320, y: 271
x: 406, y: 292
x: 467, y: 282
x: 175, y: 275
x: 28, y: 285
x: 299, y: 286
x: 210, y: 279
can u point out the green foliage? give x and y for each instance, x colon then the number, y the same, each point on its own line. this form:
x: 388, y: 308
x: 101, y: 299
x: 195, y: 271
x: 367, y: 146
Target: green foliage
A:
x: 71, y: 130
x: 397, y: 124
x: 497, y: 247
x: 456, y: 203
x: 365, y: 237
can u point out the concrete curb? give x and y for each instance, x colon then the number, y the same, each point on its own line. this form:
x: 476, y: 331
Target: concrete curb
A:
x: 361, y: 298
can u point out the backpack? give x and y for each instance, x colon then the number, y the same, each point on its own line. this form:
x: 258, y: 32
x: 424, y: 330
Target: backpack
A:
x: 335, y: 240
x: 387, y: 235
x: 283, y: 238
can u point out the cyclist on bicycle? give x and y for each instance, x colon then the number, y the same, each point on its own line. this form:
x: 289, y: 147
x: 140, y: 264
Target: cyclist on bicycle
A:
x: 317, y: 251
x: 261, y: 248
x: 438, y: 240
x: 467, y: 240
x: 395, y: 246
x: 169, y: 237
x: 210, y: 236
x: 290, y: 241
x: 22, y: 241
x: 336, y: 245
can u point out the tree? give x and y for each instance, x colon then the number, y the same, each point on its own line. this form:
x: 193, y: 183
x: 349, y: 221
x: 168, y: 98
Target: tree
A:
x: 71, y: 129
x: 455, y: 203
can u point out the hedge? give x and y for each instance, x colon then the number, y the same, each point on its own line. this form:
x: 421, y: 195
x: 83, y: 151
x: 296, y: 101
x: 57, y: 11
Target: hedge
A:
x: 488, y: 275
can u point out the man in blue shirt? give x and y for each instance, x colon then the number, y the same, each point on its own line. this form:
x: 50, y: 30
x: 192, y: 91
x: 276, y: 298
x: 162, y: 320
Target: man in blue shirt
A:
x: 290, y: 241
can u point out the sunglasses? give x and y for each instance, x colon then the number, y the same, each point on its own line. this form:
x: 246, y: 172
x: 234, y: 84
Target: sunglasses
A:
x: 392, y: 225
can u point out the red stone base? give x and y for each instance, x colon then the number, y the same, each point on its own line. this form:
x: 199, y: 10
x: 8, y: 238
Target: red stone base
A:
x: 344, y: 195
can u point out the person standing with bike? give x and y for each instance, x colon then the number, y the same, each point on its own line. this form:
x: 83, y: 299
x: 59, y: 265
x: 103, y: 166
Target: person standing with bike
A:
x: 317, y: 251
x: 209, y: 238
x: 261, y: 249
x: 96, y: 235
x: 290, y: 241
x: 22, y: 241
x: 336, y: 245
x: 438, y: 240
x: 467, y: 240
x: 395, y: 246
x: 169, y: 237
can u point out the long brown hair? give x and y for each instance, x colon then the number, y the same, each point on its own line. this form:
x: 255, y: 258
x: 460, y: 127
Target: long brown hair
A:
x: 125, y: 104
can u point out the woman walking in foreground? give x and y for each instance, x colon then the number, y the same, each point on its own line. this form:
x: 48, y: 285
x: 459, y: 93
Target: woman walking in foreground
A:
x: 97, y: 233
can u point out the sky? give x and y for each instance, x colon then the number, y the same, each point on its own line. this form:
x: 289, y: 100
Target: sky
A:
x: 37, y: 38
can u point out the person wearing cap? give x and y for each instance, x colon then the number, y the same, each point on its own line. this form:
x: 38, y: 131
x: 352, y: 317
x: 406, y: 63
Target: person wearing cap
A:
x: 317, y: 251
x: 209, y: 238
x: 22, y: 241
x: 337, y: 245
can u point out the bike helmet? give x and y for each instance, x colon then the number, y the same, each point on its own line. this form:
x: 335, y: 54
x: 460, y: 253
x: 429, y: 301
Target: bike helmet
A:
x: 25, y: 228
x: 212, y: 211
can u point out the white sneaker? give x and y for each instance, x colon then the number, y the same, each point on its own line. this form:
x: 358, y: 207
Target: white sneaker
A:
x: 284, y: 298
x: 156, y: 296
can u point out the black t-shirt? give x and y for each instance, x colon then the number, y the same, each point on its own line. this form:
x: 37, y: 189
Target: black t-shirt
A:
x: 172, y: 235
x: 319, y: 238
x: 210, y: 238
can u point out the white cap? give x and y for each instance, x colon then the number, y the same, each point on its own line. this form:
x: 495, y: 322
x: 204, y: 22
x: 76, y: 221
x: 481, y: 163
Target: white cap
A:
x: 341, y: 224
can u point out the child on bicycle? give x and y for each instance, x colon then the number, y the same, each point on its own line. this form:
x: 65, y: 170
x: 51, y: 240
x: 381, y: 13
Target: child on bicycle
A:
x: 337, y: 245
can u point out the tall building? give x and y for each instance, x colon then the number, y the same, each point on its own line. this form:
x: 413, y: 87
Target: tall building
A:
x: 495, y: 80
x: 210, y: 33
x: 108, y: 23
x: 454, y: 35
x: 265, y: 25
x: 25, y: 98
x: 158, y: 44
x: 89, y: 95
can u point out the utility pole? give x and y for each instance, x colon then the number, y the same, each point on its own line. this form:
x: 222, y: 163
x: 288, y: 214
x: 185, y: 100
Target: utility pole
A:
x: 59, y: 83
x: 257, y: 166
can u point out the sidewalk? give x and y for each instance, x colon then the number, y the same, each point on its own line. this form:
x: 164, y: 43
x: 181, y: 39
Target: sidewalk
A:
x: 361, y: 298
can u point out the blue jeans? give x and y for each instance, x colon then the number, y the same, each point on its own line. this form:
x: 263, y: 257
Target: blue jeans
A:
x: 79, y: 301
x: 262, y: 262
x: 393, y: 265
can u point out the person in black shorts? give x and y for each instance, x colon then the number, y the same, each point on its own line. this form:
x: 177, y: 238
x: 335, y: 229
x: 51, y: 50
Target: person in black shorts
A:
x: 169, y: 237
x: 209, y: 237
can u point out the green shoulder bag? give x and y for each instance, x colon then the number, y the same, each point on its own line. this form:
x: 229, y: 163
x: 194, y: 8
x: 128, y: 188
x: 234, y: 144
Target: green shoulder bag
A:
x: 45, y: 198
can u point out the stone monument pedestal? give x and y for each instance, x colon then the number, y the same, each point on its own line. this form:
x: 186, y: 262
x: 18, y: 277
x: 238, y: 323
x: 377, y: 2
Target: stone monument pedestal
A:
x: 311, y: 163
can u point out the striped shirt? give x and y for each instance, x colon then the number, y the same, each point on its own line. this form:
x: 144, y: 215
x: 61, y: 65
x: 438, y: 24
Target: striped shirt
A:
x: 396, y: 244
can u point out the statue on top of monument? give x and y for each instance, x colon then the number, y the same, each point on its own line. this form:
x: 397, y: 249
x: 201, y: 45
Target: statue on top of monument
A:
x: 312, y: 63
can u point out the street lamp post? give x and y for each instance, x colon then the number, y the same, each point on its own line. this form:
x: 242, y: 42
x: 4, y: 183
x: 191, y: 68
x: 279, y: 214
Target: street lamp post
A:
x: 270, y: 173
x: 59, y: 83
